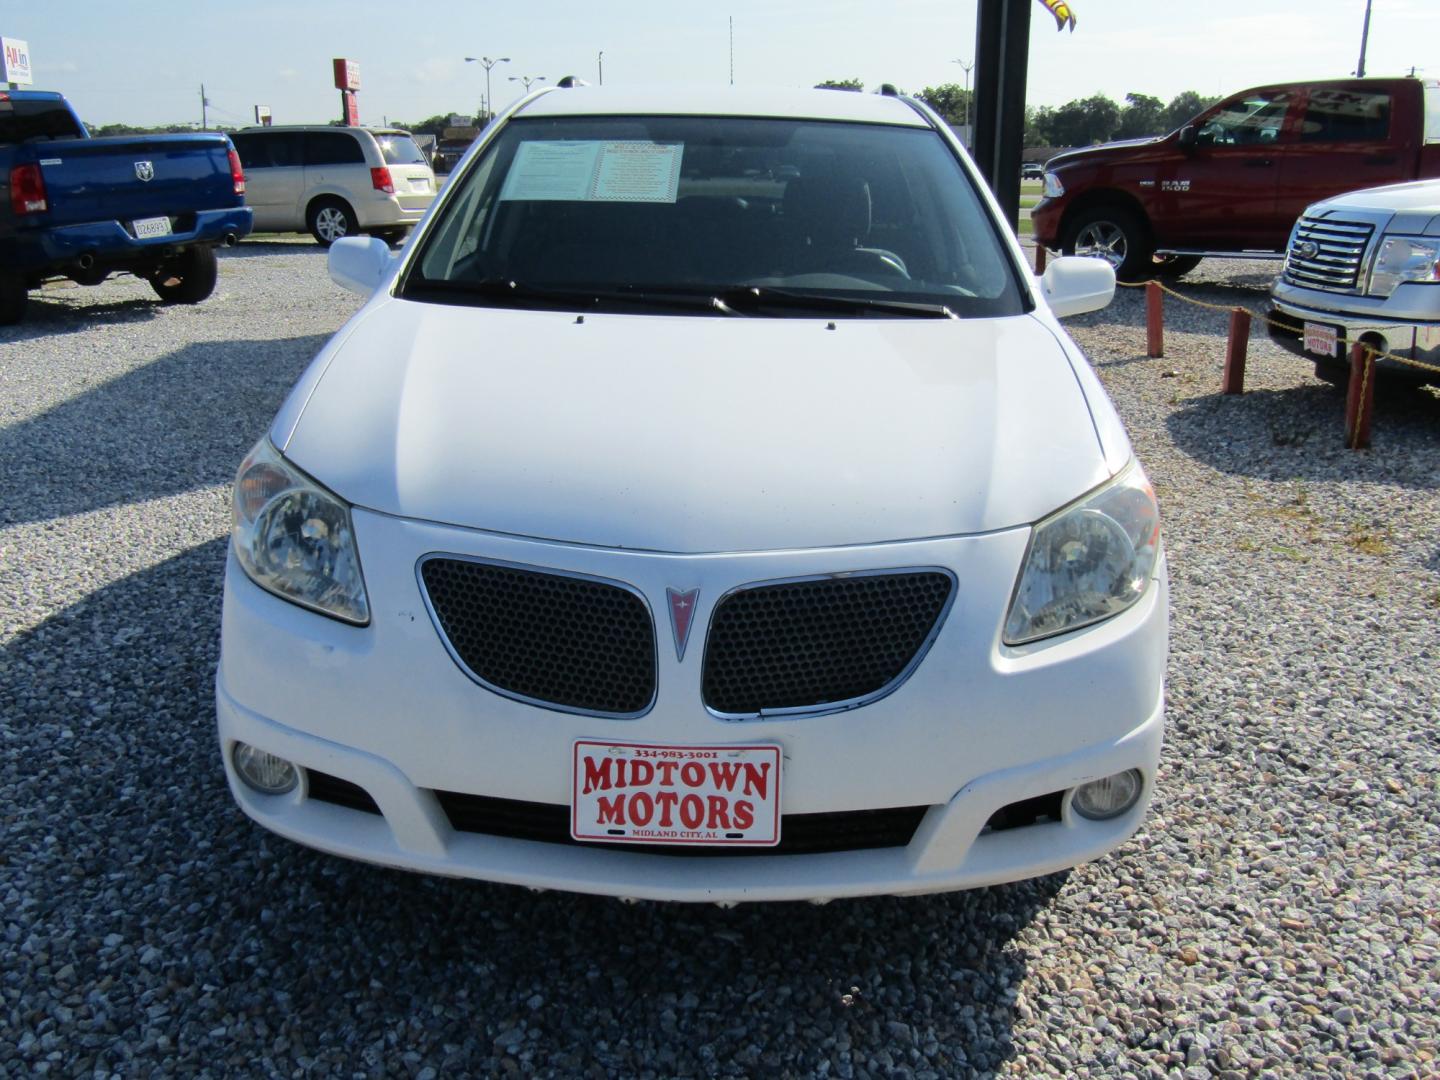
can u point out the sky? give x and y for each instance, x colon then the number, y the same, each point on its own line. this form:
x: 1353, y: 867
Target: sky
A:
x: 143, y: 61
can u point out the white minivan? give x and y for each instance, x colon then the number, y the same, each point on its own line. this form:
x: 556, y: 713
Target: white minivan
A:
x: 706, y: 504
x: 333, y: 182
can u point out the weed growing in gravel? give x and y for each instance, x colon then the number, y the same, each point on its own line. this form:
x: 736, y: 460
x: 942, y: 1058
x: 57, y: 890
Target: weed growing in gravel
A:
x: 1368, y: 540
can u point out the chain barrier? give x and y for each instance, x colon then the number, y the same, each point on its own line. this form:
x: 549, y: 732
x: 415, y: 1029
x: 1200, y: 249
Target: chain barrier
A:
x: 1282, y: 324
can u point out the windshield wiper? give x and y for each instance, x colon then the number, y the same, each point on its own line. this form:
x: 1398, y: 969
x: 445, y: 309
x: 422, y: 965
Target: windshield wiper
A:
x: 760, y: 297
x: 570, y: 297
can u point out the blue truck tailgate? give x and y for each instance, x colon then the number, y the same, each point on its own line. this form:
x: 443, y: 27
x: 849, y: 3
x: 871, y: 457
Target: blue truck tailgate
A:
x: 93, y: 179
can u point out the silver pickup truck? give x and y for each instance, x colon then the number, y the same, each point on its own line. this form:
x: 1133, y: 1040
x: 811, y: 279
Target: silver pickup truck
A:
x: 1364, y: 267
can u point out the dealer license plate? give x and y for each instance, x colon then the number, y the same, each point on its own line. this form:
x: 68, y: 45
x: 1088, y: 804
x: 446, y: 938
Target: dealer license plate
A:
x: 152, y: 226
x: 698, y: 795
x: 422, y: 184
x: 1322, y: 340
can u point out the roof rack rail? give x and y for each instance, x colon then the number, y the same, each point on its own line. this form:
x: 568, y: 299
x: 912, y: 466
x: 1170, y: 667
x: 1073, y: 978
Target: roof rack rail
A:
x: 570, y: 82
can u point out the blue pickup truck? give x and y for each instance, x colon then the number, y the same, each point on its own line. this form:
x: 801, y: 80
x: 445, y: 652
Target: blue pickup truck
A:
x: 155, y: 206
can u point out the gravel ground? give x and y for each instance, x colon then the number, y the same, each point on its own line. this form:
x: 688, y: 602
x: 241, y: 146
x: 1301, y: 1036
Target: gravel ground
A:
x: 1277, y: 915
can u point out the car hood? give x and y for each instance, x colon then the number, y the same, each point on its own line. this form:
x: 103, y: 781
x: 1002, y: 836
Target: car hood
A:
x: 1416, y: 197
x: 696, y: 434
x: 1123, y: 148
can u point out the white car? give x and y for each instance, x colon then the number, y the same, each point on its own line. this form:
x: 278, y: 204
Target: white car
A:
x: 707, y: 505
x: 335, y: 181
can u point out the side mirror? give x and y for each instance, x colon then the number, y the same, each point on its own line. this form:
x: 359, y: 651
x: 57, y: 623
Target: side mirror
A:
x: 1075, y: 284
x: 1187, y: 136
x: 359, y: 263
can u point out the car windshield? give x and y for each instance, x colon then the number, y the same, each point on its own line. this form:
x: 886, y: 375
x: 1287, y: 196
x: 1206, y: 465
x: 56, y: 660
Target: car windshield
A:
x: 400, y: 150
x: 718, y: 215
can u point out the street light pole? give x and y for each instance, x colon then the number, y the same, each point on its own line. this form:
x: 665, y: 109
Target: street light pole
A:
x: 487, y: 64
x: 527, y: 80
x: 967, y: 69
x: 600, y: 65
x: 1364, y: 38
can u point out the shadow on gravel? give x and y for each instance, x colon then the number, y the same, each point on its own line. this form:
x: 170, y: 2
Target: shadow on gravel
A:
x: 1298, y: 434
x: 150, y: 925
x: 296, y: 245
x: 65, y: 311
x: 180, y: 423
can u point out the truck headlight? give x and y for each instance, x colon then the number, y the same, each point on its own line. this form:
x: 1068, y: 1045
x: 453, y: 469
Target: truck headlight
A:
x: 1053, y: 187
x: 294, y: 538
x: 1087, y: 562
x: 1403, y: 259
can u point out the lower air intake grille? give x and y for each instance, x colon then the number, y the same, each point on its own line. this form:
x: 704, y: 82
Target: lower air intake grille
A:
x: 322, y: 787
x: 808, y: 644
x: 575, y: 643
x: 800, y: 834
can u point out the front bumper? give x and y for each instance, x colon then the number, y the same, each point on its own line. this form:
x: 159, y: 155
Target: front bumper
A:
x: 1408, y: 338
x: 1045, y: 219
x: 976, y: 727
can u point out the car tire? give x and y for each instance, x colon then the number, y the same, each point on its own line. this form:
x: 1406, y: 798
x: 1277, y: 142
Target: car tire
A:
x: 188, y: 278
x: 1114, y: 234
x: 13, y: 299
x: 330, y: 219
x: 1175, y: 266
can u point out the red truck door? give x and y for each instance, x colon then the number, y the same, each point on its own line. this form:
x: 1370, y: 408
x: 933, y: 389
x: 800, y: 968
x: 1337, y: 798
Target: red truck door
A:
x: 1348, y: 139
x: 1219, y: 191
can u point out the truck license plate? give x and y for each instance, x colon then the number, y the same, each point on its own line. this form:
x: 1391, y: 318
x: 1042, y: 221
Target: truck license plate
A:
x: 1322, y: 340
x: 696, y: 795
x: 152, y: 226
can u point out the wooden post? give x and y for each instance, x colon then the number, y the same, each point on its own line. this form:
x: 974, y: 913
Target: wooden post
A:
x: 1233, y: 381
x: 1360, y: 397
x: 1039, y: 258
x: 1154, y: 320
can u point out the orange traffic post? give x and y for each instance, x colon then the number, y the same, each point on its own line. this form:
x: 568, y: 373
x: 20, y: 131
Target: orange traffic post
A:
x: 1233, y: 381
x: 1040, y: 258
x: 1154, y: 320
x: 1360, y: 398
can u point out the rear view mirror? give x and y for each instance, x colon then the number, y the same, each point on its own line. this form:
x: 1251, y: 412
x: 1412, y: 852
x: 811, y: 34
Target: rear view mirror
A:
x: 1074, y: 284
x: 359, y: 263
x: 1187, y: 136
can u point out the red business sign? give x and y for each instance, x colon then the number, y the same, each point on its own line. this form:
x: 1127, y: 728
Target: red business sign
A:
x: 347, y: 74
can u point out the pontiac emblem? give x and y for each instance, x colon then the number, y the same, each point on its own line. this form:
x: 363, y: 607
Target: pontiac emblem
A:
x: 145, y: 170
x: 682, y: 610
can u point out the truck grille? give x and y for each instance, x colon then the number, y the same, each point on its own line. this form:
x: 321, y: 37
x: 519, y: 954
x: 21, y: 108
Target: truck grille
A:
x: 1335, y: 259
x: 814, y: 643
x: 573, y: 643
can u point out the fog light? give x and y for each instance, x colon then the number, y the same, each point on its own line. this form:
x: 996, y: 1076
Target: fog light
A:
x: 1108, y: 798
x: 266, y: 773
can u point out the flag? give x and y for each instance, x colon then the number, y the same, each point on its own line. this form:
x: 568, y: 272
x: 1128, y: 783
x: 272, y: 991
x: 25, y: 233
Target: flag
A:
x: 1063, y: 15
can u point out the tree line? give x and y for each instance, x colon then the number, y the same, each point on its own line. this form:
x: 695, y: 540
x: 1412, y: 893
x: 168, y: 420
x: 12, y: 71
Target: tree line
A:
x: 1081, y: 122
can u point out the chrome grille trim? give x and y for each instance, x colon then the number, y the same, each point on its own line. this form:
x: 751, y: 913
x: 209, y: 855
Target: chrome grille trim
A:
x: 1338, y: 261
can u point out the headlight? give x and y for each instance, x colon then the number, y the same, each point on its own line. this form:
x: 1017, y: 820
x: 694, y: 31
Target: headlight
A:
x: 294, y: 538
x: 1053, y: 187
x: 1402, y: 259
x: 1087, y: 562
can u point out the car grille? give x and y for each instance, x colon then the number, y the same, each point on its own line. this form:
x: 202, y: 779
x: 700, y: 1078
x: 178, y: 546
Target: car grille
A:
x: 1339, y: 253
x: 800, y: 834
x: 323, y: 787
x: 572, y: 643
x: 819, y: 642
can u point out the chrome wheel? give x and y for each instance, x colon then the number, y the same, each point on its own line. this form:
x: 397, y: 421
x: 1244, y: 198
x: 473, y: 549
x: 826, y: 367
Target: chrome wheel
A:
x: 330, y: 223
x: 1102, y: 240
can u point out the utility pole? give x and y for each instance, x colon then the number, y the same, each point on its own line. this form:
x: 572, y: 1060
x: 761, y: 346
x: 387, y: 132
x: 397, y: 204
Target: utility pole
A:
x: 1364, y: 39
x: 600, y: 64
x: 732, y: 50
x: 204, y: 104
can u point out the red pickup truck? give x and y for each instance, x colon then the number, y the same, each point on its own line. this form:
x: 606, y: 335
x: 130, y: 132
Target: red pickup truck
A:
x: 1233, y: 180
